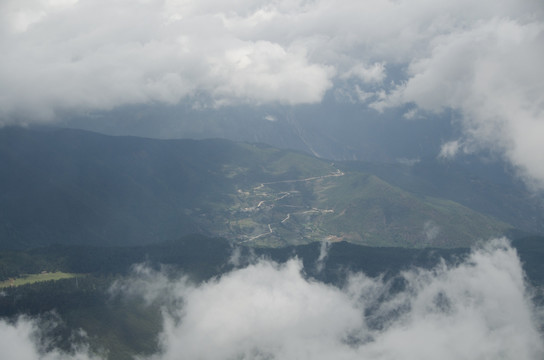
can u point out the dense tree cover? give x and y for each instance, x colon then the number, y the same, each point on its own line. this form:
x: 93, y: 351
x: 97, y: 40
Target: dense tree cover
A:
x: 199, y: 255
x: 65, y: 294
x: 122, y: 326
x: 14, y: 263
x: 79, y: 188
x: 204, y: 257
x: 127, y: 326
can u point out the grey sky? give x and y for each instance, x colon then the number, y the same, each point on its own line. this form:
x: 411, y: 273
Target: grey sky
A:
x: 481, y: 58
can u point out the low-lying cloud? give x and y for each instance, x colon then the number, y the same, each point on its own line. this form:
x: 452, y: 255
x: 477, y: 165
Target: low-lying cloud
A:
x: 489, y: 74
x: 21, y: 341
x: 478, y: 309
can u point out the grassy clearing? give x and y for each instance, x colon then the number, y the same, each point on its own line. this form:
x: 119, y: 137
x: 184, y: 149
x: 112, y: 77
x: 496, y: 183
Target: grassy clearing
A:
x: 33, y: 278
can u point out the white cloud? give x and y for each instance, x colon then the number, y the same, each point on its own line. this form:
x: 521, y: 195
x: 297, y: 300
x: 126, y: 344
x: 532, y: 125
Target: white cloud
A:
x: 478, y: 309
x: 449, y: 149
x: 411, y: 114
x: 374, y: 73
x: 18, y: 341
x: 97, y: 54
x: 430, y: 230
x: 101, y: 54
x: 481, y: 58
x: 323, y: 254
x: 265, y: 72
x: 260, y: 311
x: 490, y: 74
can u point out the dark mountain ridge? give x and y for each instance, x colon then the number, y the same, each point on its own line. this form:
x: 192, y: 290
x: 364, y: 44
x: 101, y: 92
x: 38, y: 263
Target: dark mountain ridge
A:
x: 77, y: 187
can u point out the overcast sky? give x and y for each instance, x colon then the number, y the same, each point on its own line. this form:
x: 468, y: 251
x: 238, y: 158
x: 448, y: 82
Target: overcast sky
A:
x: 481, y: 58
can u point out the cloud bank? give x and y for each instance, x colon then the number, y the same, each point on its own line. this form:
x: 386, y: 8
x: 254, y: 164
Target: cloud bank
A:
x: 489, y: 73
x: 480, y: 58
x: 478, y: 309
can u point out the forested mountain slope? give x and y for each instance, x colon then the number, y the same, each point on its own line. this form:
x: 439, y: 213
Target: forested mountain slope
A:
x: 76, y: 187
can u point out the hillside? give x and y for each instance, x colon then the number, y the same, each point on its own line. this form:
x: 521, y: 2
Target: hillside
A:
x: 486, y: 187
x: 76, y: 187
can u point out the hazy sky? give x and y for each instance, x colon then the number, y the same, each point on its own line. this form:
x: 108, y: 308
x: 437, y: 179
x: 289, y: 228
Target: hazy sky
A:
x: 481, y: 58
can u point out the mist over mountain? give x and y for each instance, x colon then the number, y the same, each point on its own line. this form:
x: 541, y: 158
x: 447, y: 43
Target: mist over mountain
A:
x: 331, y: 130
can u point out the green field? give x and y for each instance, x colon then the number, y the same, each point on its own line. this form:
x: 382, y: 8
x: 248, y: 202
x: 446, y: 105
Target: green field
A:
x: 34, y: 278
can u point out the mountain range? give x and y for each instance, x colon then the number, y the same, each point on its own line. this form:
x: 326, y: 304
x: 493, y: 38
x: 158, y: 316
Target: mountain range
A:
x: 63, y: 186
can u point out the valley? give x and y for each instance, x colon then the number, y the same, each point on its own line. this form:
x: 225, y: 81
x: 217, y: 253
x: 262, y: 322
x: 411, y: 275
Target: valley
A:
x: 75, y: 187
